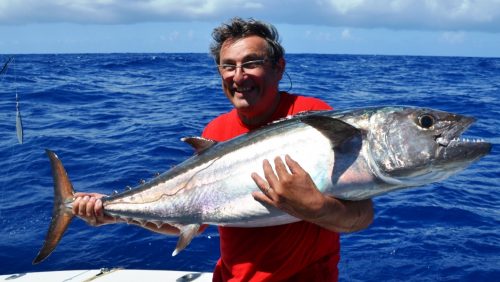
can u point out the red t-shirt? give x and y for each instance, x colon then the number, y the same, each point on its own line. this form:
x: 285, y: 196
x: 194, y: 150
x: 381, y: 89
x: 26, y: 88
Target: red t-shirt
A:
x: 299, y: 251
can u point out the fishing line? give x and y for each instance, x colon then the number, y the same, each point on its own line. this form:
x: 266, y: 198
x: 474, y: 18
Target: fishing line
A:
x: 3, y: 73
x: 5, y: 66
x: 291, y: 83
x: 19, y: 124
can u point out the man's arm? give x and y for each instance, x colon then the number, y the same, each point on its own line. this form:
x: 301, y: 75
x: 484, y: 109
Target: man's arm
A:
x: 88, y: 206
x: 294, y: 192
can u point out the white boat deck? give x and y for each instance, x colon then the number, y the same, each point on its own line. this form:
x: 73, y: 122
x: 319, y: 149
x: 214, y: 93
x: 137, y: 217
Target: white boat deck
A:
x: 109, y: 275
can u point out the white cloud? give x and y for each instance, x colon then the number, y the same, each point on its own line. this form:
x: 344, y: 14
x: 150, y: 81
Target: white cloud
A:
x: 174, y: 36
x: 456, y: 37
x: 448, y: 15
x: 346, y: 34
x: 344, y: 6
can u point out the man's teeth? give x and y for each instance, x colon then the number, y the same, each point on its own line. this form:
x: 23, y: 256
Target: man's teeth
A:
x: 243, y: 89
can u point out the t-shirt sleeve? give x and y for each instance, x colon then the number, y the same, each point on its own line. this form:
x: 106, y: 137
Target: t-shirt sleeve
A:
x: 210, y: 130
x: 321, y: 105
x: 310, y: 104
x: 221, y: 128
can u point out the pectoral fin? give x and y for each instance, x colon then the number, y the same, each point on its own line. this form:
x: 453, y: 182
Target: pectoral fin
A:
x: 334, y: 129
x: 187, y: 233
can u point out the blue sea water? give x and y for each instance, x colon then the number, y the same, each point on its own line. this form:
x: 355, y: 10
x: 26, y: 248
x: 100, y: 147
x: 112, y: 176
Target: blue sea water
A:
x: 115, y: 119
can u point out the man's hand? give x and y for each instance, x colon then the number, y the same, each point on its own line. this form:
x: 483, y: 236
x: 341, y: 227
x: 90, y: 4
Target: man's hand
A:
x: 295, y: 193
x: 88, y: 206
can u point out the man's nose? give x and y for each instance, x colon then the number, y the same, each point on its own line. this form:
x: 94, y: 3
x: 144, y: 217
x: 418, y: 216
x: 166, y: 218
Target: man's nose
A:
x: 239, y: 74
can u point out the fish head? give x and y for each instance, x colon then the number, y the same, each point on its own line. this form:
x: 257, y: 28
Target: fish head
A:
x: 417, y: 146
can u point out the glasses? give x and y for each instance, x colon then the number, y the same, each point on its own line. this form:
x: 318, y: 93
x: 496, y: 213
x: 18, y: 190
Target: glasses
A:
x: 249, y: 66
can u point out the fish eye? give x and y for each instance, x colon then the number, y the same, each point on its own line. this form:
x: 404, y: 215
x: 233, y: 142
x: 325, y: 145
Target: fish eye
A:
x: 426, y: 121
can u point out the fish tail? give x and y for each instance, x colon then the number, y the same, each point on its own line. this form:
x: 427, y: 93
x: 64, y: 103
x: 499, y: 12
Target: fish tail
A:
x: 61, y: 213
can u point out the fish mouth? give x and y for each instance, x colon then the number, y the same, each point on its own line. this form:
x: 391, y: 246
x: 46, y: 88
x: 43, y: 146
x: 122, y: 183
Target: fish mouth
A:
x: 452, y: 133
x: 452, y: 146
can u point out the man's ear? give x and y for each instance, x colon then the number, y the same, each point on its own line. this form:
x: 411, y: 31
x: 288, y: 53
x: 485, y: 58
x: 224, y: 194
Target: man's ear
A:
x: 280, y: 67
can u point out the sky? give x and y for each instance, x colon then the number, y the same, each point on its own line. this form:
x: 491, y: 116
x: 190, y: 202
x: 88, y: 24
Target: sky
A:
x: 375, y: 27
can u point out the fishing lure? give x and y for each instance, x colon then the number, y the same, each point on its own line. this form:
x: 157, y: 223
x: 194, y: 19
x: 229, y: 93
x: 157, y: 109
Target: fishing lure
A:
x: 19, y: 123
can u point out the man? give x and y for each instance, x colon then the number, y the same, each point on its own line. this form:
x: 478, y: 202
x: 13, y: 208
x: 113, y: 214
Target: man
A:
x: 251, y: 63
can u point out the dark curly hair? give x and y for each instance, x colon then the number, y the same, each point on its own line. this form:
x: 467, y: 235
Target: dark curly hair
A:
x: 238, y: 28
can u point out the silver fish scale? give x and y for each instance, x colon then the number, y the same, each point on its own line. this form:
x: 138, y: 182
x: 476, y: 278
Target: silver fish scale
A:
x: 219, y: 190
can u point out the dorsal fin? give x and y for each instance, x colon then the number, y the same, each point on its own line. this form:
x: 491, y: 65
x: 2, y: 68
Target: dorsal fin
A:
x: 297, y: 115
x: 200, y: 144
x: 334, y: 129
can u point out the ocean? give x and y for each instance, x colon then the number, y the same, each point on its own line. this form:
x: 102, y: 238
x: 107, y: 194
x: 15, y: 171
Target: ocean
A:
x: 115, y: 119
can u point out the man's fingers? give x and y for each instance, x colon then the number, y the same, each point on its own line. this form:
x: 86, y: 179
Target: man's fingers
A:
x: 258, y: 180
x: 280, y: 167
x: 261, y: 197
x: 262, y: 184
x: 289, y: 166
x: 293, y: 165
x: 269, y: 174
x: 90, y: 207
x: 83, y: 206
x: 98, y: 208
x: 76, y: 206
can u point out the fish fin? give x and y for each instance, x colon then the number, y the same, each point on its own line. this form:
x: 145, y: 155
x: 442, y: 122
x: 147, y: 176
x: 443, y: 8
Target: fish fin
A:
x: 200, y: 144
x: 61, y: 214
x: 187, y: 233
x: 157, y: 223
x: 334, y: 129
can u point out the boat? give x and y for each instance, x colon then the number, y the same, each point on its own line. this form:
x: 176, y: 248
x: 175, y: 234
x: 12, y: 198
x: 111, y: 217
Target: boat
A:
x: 109, y: 275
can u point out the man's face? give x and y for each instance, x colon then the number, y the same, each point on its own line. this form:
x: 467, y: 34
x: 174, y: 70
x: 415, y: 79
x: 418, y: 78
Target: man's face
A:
x: 252, y: 91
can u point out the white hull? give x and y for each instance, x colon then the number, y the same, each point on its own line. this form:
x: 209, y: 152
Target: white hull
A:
x: 109, y: 275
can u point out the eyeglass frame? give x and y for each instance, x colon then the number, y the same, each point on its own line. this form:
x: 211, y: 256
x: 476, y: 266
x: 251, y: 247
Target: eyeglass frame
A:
x: 260, y: 63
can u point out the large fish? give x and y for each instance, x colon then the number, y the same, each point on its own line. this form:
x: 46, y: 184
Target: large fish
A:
x: 351, y: 155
